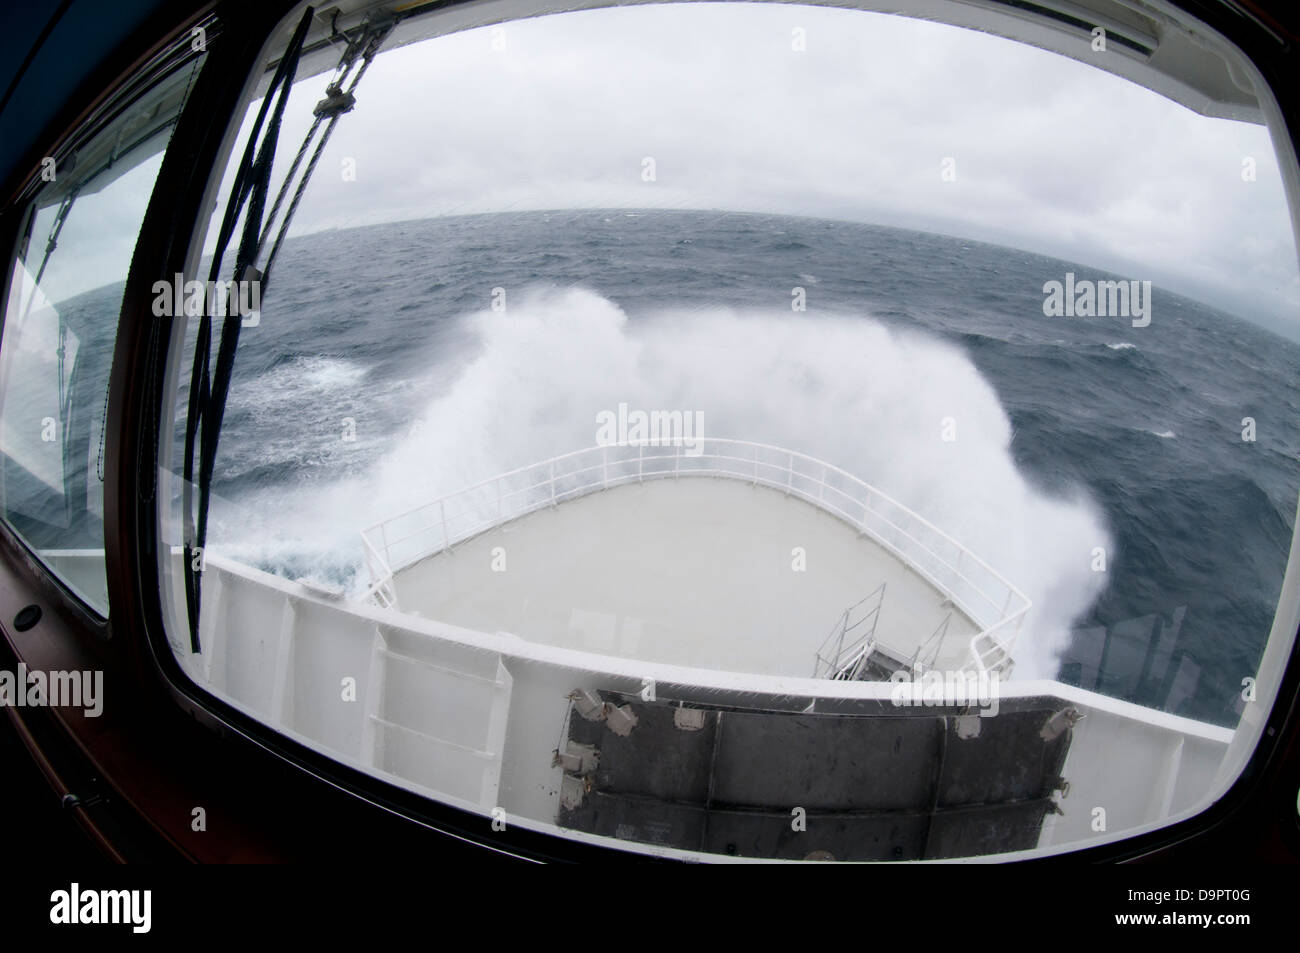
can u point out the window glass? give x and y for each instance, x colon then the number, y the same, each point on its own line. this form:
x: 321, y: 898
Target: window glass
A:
x: 754, y: 430
x: 60, y: 322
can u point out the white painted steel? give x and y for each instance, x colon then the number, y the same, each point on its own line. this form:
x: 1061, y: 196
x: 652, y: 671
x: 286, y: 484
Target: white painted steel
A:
x: 472, y: 718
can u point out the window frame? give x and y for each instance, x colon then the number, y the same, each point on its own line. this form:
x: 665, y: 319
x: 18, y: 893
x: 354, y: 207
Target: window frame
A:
x: 16, y: 217
x: 170, y: 236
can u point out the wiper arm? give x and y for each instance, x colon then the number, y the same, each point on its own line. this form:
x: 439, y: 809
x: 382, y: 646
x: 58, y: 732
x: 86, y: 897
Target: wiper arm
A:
x: 207, y: 394
x: 360, y: 51
x: 252, y: 182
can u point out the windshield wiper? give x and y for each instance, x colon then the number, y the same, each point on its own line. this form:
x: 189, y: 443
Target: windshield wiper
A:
x: 210, y: 385
x: 207, y: 395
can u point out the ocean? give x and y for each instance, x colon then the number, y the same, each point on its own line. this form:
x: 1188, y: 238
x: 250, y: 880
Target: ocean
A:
x: 1099, y: 466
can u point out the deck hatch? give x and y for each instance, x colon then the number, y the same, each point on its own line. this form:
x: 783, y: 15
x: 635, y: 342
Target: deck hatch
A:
x: 895, y: 786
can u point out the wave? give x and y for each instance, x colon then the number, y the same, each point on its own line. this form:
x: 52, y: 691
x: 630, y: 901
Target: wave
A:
x: 873, y: 401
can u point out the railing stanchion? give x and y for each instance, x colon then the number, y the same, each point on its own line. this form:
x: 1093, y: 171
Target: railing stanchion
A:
x: 844, y: 629
x: 640, y: 462
x: 789, y: 473
x: 604, y: 468
x: 499, y: 514
x: 446, y: 538
x: 552, y: 481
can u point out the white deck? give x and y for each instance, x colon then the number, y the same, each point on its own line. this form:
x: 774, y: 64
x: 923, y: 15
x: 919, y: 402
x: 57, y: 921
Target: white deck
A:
x: 697, y: 572
x: 644, y: 561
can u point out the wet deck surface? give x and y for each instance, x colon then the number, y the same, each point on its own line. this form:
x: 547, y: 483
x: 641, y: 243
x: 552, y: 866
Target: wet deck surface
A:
x: 708, y: 573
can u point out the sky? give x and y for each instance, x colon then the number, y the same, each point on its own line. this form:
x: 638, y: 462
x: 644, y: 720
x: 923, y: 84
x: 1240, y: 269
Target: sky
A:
x: 1050, y: 154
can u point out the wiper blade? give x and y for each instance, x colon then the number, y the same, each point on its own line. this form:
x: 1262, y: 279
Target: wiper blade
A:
x: 207, y: 400
x: 252, y: 185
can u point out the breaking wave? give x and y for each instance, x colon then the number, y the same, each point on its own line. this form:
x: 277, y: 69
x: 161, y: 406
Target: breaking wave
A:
x: 844, y: 388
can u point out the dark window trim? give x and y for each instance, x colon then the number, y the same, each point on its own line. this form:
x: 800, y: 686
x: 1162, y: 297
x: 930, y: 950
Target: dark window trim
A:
x: 136, y: 401
x: 17, y: 217
x: 159, y: 31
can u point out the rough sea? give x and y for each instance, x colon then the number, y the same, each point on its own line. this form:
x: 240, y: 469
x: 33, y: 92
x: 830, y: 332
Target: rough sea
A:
x: 380, y: 377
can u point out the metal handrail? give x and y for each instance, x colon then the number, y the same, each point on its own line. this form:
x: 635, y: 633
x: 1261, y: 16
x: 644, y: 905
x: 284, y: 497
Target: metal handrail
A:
x: 935, y: 640
x: 381, y: 589
x: 995, y: 606
x: 844, y: 663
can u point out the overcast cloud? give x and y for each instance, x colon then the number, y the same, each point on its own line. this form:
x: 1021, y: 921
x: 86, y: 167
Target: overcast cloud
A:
x: 1051, y: 155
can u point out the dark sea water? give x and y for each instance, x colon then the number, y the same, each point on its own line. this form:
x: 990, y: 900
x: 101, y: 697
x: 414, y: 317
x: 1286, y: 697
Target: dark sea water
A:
x: 1145, y: 424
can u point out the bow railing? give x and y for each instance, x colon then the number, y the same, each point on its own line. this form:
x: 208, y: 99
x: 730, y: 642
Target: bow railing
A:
x: 993, y: 604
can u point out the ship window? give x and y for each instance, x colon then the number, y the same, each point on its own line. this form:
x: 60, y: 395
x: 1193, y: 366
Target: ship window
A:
x: 60, y: 321
x: 751, y: 430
